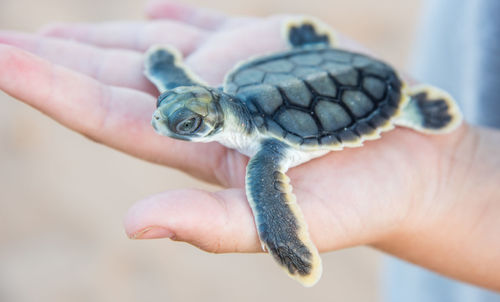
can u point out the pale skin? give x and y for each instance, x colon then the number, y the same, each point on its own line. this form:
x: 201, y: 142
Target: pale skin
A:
x: 432, y: 200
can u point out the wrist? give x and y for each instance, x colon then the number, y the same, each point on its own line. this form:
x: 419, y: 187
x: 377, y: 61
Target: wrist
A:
x: 448, y: 180
x: 452, y: 225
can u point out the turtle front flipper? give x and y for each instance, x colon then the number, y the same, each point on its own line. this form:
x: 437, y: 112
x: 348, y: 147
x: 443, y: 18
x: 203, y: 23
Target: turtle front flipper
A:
x: 164, y: 67
x: 430, y: 110
x: 303, y: 32
x: 279, y: 220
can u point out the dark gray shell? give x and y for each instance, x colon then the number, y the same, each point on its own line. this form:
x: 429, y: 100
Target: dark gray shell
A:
x: 319, y: 96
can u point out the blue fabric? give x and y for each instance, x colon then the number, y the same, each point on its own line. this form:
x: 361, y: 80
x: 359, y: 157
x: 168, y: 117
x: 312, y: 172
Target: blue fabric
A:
x: 458, y: 50
x: 404, y: 282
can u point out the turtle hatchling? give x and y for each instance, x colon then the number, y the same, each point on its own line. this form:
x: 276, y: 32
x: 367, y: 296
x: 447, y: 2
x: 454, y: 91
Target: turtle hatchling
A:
x: 286, y: 108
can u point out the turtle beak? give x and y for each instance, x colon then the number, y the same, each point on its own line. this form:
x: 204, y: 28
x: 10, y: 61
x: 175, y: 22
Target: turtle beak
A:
x: 157, y: 120
x: 153, y: 123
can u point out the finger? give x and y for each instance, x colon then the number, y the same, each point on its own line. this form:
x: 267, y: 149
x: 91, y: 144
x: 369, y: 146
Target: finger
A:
x: 130, y: 35
x: 115, y: 67
x: 118, y: 117
x: 222, y: 222
x: 200, y: 17
x: 215, y: 222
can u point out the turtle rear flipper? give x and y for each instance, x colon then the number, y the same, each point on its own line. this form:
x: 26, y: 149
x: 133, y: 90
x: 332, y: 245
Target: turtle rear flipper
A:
x: 302, y: 32
x: 430, y: 110
x: 279, y: 220
x: 164, y: 67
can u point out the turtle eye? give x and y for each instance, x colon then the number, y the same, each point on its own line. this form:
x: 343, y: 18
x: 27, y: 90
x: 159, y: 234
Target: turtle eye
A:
x: 188, y: 125
x: 184, y: 121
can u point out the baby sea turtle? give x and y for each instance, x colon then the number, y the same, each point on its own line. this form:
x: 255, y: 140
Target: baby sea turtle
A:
x: 286, y: 108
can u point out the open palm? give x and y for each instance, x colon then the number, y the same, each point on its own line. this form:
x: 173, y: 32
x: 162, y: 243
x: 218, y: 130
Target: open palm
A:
x: 89, y: 77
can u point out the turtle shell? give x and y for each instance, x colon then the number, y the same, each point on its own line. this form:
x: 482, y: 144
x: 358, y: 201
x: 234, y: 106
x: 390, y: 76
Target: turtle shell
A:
x: 320, y: 96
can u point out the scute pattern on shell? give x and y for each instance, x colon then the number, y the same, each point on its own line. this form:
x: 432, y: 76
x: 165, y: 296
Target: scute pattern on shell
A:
x: 318, y: 96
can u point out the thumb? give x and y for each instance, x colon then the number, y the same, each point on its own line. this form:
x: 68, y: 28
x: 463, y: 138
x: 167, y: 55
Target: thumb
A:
x: 222, y: 222
x: 215, y: 222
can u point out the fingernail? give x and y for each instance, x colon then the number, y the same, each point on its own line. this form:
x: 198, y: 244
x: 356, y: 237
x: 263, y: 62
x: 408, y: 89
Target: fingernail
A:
x: 153, y: 232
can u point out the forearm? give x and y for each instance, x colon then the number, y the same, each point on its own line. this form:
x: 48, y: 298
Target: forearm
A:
x: 458, y: 234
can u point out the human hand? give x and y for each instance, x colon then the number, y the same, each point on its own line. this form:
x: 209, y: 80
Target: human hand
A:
x: 371, y: 195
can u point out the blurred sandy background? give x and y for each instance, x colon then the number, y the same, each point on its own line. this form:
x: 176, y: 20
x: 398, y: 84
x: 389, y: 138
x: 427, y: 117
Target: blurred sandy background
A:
x: 63, y: 197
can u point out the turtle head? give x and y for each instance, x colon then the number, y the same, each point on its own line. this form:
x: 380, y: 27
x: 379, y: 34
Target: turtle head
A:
x: 189, y: 113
